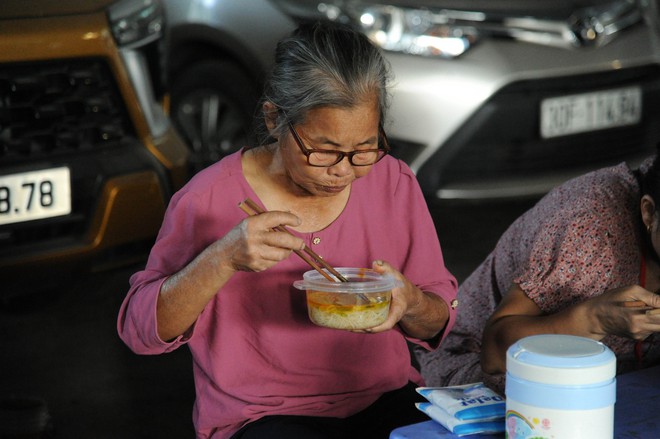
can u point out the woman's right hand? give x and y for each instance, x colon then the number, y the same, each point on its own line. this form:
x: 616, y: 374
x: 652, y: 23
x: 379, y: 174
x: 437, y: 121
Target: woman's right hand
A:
x: 251, y: 245
x: 623, y: 312
x: 254, y: 245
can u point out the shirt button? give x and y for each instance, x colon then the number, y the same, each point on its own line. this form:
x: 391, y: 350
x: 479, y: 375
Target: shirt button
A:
x: 316, y: 240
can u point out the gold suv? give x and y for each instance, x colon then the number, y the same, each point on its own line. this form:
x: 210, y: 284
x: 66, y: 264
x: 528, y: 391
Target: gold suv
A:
x: 88, y: 157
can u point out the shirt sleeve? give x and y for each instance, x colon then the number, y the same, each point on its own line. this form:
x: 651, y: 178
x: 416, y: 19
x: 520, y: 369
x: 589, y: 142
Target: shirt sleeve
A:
x: 571, y: 258
x: 175, y: 246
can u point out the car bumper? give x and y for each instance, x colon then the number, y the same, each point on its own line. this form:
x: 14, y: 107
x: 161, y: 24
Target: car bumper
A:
x: 474, y: 132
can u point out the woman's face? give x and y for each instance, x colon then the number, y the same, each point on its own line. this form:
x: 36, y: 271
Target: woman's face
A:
x: 336, y: 129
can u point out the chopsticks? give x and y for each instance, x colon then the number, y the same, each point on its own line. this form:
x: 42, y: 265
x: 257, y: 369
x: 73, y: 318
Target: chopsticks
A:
x: 639, y: 304
x: 251, y: 208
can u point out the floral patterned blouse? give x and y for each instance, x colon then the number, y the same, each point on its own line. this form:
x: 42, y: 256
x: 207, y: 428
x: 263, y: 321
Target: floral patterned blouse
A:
x: 580, y: 240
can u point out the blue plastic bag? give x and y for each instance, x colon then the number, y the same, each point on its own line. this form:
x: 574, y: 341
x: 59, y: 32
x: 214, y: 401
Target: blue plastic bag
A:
x: 466, y: 402
x: 461, y: 427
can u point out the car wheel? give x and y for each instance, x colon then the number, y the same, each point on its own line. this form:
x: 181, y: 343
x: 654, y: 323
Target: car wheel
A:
x: 212, y: 107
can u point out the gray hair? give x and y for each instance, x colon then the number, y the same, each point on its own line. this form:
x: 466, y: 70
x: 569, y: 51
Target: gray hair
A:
x: 323, y: 65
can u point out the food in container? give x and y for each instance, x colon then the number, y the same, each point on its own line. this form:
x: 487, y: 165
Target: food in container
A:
x: 362, y: 302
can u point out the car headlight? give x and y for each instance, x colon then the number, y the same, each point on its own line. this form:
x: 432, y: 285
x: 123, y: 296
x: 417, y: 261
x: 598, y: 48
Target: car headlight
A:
x: 136, y: 22
x: 418, y: 31
x: 138, y: 27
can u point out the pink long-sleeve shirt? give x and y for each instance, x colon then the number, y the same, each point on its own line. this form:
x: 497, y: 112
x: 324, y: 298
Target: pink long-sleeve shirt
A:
x: 255, y: 352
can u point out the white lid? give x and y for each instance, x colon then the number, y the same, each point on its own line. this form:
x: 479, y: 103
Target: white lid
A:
x: 560, y: 359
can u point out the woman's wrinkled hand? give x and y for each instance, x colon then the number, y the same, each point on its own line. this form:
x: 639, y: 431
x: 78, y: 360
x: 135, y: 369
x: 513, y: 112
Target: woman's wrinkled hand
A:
x: 419, y: 314
x: 625, y: 312
x: 254, y: 245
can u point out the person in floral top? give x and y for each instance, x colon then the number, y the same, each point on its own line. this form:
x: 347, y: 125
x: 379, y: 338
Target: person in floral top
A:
x: 570, y: 265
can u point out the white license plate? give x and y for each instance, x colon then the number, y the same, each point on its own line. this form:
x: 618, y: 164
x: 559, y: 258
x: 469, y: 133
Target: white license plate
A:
x: 35, y: 195
x: 585, y: 112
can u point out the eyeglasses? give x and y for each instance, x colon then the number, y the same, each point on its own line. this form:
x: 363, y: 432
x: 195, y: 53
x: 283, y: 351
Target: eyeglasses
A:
x: 323, y: 158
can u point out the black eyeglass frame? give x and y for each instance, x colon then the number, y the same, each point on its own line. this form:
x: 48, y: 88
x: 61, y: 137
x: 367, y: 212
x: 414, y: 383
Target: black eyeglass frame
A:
x: 385, y: 149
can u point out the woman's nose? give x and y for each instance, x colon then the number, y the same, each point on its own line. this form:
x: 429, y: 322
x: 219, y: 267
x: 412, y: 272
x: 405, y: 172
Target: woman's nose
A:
x: 344, y: 167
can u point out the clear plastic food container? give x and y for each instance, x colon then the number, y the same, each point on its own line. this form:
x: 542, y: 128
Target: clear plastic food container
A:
x: 362, y: 302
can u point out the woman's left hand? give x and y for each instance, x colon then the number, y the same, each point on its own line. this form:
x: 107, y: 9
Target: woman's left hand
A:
x: 421, y: 315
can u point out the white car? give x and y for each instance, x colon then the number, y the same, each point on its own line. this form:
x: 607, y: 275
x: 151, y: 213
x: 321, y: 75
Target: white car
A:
x: 492, y: 99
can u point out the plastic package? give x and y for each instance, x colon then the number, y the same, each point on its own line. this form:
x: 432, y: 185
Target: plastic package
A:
x: 459, y: 427
x: 466, y: 409
x: 466, y: 402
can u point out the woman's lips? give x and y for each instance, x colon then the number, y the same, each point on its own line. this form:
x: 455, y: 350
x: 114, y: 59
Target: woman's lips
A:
x: 333, y: 189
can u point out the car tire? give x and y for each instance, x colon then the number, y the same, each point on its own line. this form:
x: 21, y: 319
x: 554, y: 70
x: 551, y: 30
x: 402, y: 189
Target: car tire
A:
x: 212, y: 106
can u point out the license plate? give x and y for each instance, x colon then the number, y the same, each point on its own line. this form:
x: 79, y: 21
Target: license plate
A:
x: 35, y: 195
x: 585, y: 112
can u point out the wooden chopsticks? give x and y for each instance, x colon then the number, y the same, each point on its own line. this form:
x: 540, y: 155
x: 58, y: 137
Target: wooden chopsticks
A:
x: 639, y: 304
x: 251, y: 208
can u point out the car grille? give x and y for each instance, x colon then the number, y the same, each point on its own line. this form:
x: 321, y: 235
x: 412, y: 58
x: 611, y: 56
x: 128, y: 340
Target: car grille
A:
x: 65, y: 112
x: 502, y: 139
x: 49, y: 109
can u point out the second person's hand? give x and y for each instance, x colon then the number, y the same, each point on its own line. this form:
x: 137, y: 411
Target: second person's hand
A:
x: 612, y: 313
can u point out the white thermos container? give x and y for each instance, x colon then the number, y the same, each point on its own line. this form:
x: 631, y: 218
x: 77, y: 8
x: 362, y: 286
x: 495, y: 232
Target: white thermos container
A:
x: 560, y: 387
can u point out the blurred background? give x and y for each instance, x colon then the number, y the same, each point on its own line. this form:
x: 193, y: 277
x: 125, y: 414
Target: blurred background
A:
x: 108, y: 107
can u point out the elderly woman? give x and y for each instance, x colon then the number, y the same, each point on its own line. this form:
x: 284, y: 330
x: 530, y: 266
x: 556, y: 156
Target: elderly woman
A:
x: 221, y: 283
x: 573, y: 264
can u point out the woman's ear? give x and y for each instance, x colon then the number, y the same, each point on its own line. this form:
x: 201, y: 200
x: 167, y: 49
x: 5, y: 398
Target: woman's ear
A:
x: 647, y: 208
x: 270, y: 116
